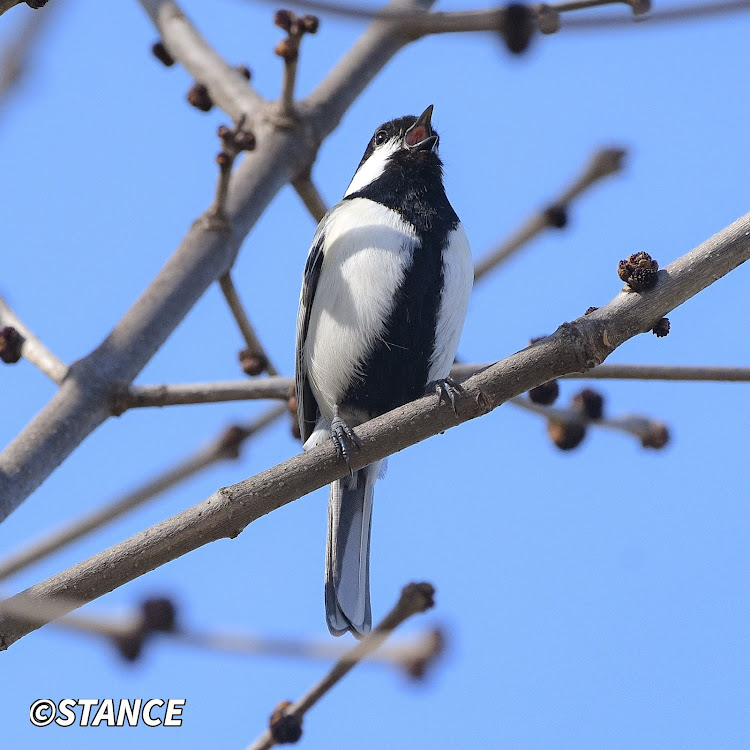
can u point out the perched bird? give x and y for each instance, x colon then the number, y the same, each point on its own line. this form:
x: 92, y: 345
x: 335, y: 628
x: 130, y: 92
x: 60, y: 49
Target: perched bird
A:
x: 384, y: 296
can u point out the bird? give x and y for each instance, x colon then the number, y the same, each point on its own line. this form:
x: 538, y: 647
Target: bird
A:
x: 384, y: 296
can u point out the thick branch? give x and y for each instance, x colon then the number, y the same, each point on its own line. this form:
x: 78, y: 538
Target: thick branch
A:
x: 227, y: 87
x: 574, y: 347
x: 32, y: 349
x: 82, y: 403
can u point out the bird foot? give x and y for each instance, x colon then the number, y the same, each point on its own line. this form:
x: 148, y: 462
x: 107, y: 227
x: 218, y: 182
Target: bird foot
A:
x: 448, y: 391
x: 343, y: 438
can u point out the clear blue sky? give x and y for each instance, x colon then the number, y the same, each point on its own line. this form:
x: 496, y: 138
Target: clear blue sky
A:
x: 595, y: 600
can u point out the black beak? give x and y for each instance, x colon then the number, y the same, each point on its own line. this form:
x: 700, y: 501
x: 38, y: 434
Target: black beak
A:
x: 419, y: 137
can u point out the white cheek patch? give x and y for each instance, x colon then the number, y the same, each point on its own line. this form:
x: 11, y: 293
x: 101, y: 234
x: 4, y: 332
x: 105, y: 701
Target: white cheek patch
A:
x: 373, y: 167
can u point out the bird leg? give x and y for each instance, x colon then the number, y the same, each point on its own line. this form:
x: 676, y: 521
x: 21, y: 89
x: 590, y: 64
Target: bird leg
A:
x: 343, y: 438
x: 448, y: 391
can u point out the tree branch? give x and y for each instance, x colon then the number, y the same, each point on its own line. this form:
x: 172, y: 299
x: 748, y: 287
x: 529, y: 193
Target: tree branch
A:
x: 312, y: 199
x: 83, y: 401
x: 32, y: 349
x: 226, y: 446
x: 603, y: 163
x: 574, y: 347
x: 643, y: 428
x: 245, y: 326
x: 415, y: 598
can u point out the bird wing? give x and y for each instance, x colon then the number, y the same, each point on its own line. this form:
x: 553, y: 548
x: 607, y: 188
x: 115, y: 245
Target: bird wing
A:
x: 307, y: 407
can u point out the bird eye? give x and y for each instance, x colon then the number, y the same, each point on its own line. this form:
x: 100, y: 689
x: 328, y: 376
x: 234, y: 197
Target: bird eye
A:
x: 380, y: 138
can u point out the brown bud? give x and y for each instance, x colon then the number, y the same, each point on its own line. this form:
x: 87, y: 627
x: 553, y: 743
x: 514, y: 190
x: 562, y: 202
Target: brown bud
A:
x: 159, y: 615
x: 231, y: 441
x: 285, y: 728
x: 309, y: 24
x: 589, y: 403
x: 10, y: 345
x: 296, y: 434
x: 198, y: 96
x: 657, y: 436
x: 225, y: 133
x: 244, y: 71
x: 160, y: 53
x: 36, y: 4
x: 589, y: 310
x: 244, y: 140
x: 253, y: 363
x: 556, y: 216
x: 417, y: 666
x: 287, y: 49
x: 284, y: 19
x: 566, y: 435
x: 517, y: 27
x: 639, y: 271
x: 661, y: 328
x: 130, y: 645
x: 223, y: 159
x: 545, y: 394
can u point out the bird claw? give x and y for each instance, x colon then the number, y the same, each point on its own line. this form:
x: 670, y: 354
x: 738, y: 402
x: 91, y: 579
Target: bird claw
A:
x: 343, y: 438
x: 448, y: 391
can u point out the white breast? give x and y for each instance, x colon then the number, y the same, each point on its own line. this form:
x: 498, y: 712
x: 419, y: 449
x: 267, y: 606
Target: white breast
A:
x: 458, y: 278
x: 367, y: 248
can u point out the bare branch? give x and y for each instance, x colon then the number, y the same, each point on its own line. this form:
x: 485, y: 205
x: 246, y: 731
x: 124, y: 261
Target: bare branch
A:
x: 226, y: 446
x: 15, y: 56
x: 83, y: 401
x: 574, y: 347
x: 246, y: 328
x: 668, y: 372
x: 415, y: 598
x: 413, y: 656
x: 643, y: 428
x: 139, y: 396
x: 136, y: 396
x: 228, y: 88
x: 312, y: 199
x: 32, y: 349
x: 603, y: 163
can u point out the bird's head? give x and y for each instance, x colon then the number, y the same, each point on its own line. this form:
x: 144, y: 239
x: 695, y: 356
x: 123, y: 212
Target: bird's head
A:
x: 403, y: 143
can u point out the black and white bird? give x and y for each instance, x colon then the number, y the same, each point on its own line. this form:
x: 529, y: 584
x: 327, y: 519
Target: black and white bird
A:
x: 384, y: 296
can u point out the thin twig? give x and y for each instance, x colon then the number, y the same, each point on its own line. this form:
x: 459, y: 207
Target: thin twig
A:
x: 226, y: 446
x: 310, y: 195
x: 277, y: 387
x: 246, y: 328
x: 415, y: 598
x: 422, y: 22
x: 641, y: 427
x: 19, y: 50
x: 274, y: 387
x: 667, y: 372
x: 32, y: 349
x: 603, y: 163
x: 414, y: 656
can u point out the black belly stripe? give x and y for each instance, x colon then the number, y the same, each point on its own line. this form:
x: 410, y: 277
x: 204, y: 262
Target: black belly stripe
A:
x: 396, y: 369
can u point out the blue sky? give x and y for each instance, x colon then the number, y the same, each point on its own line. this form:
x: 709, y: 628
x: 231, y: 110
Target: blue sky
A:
x: 595, y: 599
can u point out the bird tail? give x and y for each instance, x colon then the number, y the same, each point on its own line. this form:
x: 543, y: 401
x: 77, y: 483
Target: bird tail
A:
x: 348, y: 552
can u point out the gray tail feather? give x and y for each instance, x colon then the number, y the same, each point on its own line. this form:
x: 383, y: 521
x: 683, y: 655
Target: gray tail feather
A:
x: 348, y: 553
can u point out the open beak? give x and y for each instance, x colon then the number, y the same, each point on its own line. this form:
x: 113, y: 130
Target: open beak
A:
x: 419, y: 137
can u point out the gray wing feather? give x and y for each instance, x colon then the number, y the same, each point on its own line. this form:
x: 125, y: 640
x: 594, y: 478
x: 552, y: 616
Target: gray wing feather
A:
x: 307, y: 408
